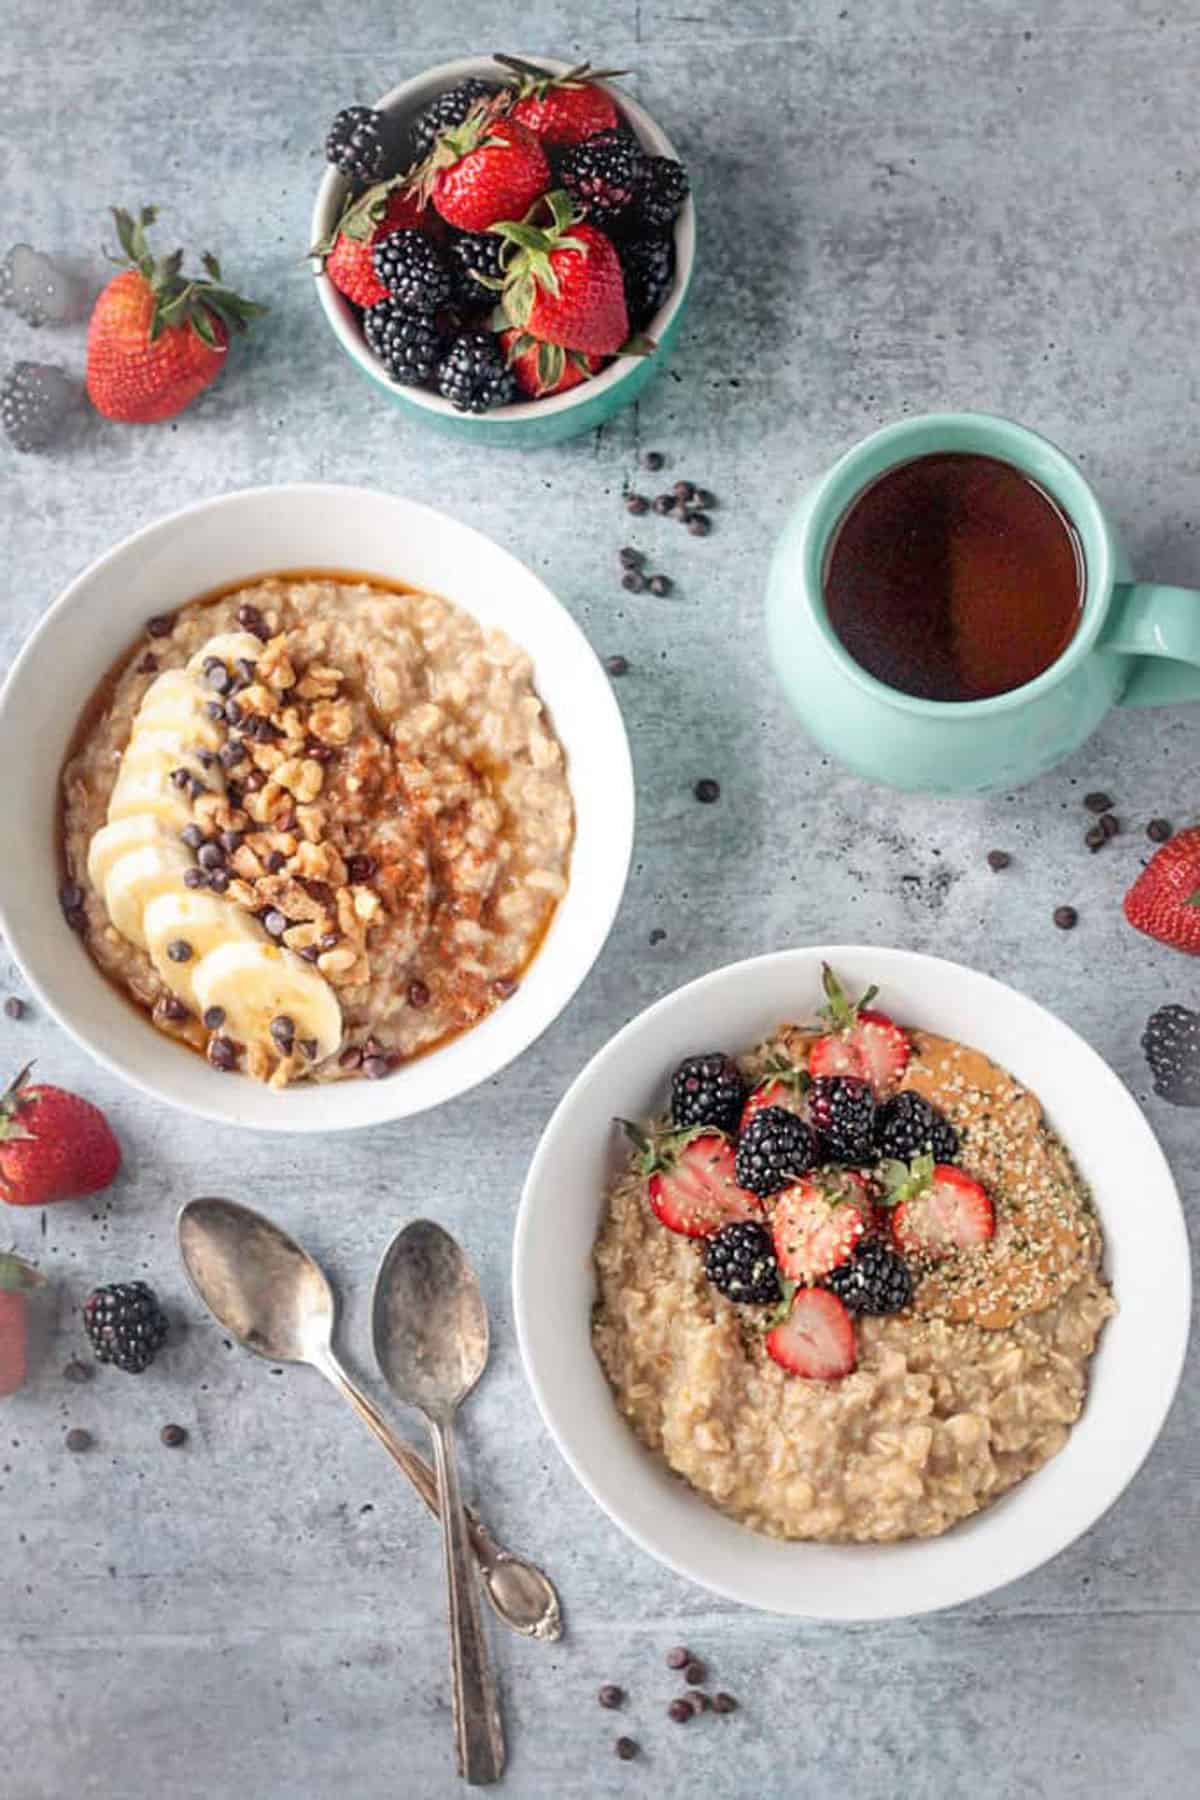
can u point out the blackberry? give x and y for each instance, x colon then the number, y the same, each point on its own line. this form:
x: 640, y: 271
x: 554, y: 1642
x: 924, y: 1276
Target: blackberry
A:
x: 474, y: 375
x: 774, y: 1149
x: 648, y: 264
x: 664, y: 189
x: 739, y: 1260
x: 475, y: 253
x: 708, y: 1090
x: 1171, y: 1041
x: 907, y: 1126
x: 843, y: 1111
x: 875, y: 1280
x: 604, y: 175
x: 407, y: 344
x: 126, y: 1325
x: 357, y: 143
x: 450, y: 108
x: 412, y: 271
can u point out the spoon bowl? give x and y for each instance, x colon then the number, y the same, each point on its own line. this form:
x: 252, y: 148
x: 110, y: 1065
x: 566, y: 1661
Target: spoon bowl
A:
x: 256, y: 1281
x: 429, y: 1321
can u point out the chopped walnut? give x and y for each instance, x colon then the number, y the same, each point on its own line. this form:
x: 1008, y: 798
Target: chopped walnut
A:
x: 336, y: 962
x: 246, y: 863
x: 366, y: 903
x: 332, y: 722
x: 319, y: 682
x: 269, y: 758
x: 300, y: 937
x: 242, y: 894
x: 311, y: 820
x: 290, y: 723
x: 275, y: 665
x: 301, y: 776
x: 257, y: 699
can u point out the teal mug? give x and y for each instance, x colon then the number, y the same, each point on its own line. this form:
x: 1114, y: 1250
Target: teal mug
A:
x: 1136, y: 644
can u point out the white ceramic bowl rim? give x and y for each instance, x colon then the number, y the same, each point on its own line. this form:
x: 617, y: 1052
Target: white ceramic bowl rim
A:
x: 1134, y: 1373
x: 433, y: 81
x: 244, y: 536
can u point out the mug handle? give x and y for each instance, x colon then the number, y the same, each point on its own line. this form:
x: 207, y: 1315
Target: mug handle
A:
x: 1161, y: 625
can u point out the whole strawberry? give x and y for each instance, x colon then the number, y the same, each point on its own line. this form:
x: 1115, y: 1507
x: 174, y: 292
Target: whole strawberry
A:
x: 485, y: 169
x: 157, y: 338
x: 1164, y: 901
x: 347, y: 256
x: 16, y: 1281
x: 561, y: 109
x: 53, y: 1145
x: 543, y: 369
x: 564, y: 283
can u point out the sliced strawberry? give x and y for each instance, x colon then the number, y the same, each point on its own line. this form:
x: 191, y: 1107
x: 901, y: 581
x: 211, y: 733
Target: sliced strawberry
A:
x: 836, y: 1056
x: 816, y: 1339
x: 864, y: 1044
x: 784, y: 1086
x: 884, y: 1049
x: 950, y: 1212
x: 817, y: 1223
x: 690, y: 1181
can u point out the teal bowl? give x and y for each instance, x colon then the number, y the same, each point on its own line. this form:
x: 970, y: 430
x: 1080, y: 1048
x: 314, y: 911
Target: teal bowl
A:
x: 528, y: 424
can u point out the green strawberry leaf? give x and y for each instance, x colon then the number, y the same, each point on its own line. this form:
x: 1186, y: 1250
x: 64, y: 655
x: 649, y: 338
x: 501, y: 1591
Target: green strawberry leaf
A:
x: 903, y: 1181
x: 778, y: 1313
x: 1193, y: 899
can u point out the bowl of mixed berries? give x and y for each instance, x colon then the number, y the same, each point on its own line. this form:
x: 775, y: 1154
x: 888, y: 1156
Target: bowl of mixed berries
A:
x: 504, y: 246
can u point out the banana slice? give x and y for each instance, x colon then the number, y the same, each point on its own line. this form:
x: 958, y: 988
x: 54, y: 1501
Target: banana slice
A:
x: 228, y: 647
x: 176, y: 702
x: 145, y: 789
x: 118, y: 838
x: 202, y: 922
x: 256, y: 982
x: 182, y: 746
x: 139, y: 877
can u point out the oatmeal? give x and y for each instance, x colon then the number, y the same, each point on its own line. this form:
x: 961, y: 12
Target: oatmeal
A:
x: 315, y: 827
x: 945, y: 1403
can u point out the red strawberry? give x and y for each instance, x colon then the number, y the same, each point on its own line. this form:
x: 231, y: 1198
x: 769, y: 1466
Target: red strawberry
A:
x: 816, y: 1339
x: 53, y: 1145
x: 347, y: 261
x: 485, y: 169
x: 563, y: 284
x: 562, y: 109
x: 817, y: 1222
x: 16, y: 1278
x: 782, y: 1085
x: 864, y: 1044
x: 543, y: 369
x: 156, y: 339
x: 691, y: 1185
x: 1164, y: 901
x: 941, y: 1209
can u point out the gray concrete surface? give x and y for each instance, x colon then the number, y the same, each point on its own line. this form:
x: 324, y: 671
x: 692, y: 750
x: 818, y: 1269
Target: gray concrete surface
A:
x: 905, y: 205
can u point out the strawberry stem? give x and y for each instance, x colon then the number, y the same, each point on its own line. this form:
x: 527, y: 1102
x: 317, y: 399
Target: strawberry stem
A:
x: 177, y: 301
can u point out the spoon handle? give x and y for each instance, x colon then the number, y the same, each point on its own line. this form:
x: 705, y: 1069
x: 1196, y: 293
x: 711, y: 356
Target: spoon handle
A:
x: 478, y: 1733
x: 522, y: 1597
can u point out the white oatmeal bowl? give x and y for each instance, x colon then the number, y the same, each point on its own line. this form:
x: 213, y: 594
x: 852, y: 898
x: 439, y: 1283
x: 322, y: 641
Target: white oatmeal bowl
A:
x: 1111, y: 1378
x: 429, y: 693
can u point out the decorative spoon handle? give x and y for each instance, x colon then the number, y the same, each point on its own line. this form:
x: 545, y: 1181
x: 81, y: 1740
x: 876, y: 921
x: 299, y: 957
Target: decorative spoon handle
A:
x: 478, y: 1733
x: 522, y: 1597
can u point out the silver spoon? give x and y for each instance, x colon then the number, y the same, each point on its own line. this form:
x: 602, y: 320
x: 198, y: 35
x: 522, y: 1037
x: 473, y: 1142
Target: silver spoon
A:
x: 431, y: 1340
x: 274, y: 1299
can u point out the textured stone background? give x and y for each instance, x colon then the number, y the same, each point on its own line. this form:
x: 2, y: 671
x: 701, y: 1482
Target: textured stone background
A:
x: 904, y: 206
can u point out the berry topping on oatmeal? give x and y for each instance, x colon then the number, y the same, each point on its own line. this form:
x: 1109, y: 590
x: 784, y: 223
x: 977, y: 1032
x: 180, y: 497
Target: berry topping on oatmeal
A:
x: 860, y: 1043
x: 907, y: 1125
x: 782, y: 1085
x: 817, y: 1222
x: 940, y: 1209
x: 843, y: 1110
x: 739, y: 1260
x: 691, y: 1184
x: 875, y: 1280
x: 707, y: 1090
x: 774, y: 1148
x: 816, y: 1339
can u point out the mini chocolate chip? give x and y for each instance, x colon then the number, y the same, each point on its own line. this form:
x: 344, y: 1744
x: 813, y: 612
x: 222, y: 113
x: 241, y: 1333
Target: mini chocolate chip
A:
x: 328, y: 940
x: 350, y: 1057
x: 148, y: 664
x: 310, y: 953
x: 78, y: 1440
x: 193, y: 836
x: 418, y: 994
x: 14, y: 1008
x: 309, y: 1047
x: 699, y: 1701
x: 161, y: 625
x: 636, y: 504
x: 180, y: 778
x: 998, y: 859
x: 230, y: 841
x: 629, y: 558
x: 222, y: 1053
x: 1158, y: 831
x: 214, y: 1018
x: 206, y: 758
x: 195, y: 878
x: 217, y: 676
x: 611, y: 1696
x: 703, y: 497
x: 616, y: 665
x: 679, y: 1658
x: 657, y: 935
x: 233, y: 712
x: 724, y: 1703
x: 246, y: 669
x: 283, y: 1030
x: 373, y: 1047
x: 375, y: 1067
x: 179, y: 950
x: 626, y: 1749
x: 695, y: 1673
x: 663, y: 504
x: 173, y: 1436
x: 361, y: 867
x: 653, y: 460
x: 210, y: 856
x: 76, y: 918
x: 76, y: 1371
x: 660, y: 585
x: 173, y: 1009
x: 699, y: 524
x: 250, y: 619
x: 1065, y: 917
x: 70, y: 896
x: 196, y: 787
x: 274, y: 922
x: 680, y: 1711
x: 218, y: 881
x: 506, y: 987
x: 1097, y: 802
x: 706, y: 791
x: 275, y: 861
x: 684, y: 490
x: 633, y: 581
x: 1095, y: 838
x: 1110, y: 825
x: 214, y: 709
